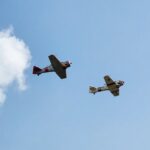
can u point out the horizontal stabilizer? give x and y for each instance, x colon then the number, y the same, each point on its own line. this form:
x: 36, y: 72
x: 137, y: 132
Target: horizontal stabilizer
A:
x: 92, y: 89
x: 36, y: 70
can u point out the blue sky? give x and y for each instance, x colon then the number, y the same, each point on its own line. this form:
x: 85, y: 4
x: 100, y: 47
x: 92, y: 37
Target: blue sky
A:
x: 100, y: 37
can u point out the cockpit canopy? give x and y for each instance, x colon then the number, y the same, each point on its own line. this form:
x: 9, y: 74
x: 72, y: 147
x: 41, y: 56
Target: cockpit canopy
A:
x: 68, y: 63
x: 120, y: 82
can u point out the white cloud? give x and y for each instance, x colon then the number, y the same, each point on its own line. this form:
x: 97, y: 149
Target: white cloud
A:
x: 14, y: 60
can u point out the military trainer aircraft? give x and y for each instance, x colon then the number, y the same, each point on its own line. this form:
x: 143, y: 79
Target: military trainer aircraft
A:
x: 112, y: 86
x: 56, y: 66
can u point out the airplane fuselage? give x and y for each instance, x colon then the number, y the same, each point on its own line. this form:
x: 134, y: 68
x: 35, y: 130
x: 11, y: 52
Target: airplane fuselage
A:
x: 46, y: 69
x: 50, y: 68
x: 117, y: 84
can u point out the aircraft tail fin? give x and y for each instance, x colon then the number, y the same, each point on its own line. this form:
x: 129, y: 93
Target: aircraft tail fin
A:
x: 36, y: 70
x: 92, y: 89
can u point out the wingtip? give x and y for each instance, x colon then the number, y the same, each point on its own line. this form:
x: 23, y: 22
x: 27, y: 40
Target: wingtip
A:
x: 52, y: 55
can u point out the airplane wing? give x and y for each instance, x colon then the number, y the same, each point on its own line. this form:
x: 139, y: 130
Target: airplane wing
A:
x: 108, y: 80
x: 56, y: 64
x: 111, y: 86
x: 115, y: 91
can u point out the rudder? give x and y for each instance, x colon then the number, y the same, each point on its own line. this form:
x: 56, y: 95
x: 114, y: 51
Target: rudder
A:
x: 36, y: 70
